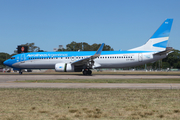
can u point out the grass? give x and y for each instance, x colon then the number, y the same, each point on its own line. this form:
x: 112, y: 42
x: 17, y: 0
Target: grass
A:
x: 88, y: 104
x: 168, y: 80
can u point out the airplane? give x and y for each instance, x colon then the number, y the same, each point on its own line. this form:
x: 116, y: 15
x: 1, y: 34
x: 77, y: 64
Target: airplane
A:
x: 83, y: 61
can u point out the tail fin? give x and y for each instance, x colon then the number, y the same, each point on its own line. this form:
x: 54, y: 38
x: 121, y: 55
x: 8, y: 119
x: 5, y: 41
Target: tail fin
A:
x: 159, y: 39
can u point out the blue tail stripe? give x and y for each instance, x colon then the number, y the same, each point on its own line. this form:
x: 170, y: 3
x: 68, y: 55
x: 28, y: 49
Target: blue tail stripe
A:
x: 164, y: 29
x: 162, y: 44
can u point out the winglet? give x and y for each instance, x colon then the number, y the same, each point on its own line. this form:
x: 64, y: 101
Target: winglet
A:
x: 100, y: 49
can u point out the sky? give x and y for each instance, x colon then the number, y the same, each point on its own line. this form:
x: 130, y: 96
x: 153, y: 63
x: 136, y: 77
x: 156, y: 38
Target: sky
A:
x: 122, y: 24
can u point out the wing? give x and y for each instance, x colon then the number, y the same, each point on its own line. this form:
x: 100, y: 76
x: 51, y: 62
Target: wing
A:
x: 90, y: 59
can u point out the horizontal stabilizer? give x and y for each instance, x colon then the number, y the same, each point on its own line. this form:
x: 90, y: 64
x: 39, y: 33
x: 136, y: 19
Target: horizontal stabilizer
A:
x: 168, y: 49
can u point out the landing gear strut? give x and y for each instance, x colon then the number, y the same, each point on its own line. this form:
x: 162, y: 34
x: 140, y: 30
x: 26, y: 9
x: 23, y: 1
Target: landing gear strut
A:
x: 20, y: 72
x: 87, y: 72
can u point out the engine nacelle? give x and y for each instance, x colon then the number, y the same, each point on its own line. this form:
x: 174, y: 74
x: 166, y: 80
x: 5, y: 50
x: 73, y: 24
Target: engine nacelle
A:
x: 64, y: 67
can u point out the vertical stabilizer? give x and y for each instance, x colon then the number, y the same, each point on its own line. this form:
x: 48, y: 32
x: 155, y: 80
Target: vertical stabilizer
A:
x: 159, y: 40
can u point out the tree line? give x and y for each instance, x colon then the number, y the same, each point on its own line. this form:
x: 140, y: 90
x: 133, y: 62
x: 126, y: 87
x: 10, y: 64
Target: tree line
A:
x: 171, y: 61
x: 83, y: 46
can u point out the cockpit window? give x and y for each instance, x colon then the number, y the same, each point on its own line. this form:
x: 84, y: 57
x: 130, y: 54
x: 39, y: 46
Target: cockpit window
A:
x: 12, y: 58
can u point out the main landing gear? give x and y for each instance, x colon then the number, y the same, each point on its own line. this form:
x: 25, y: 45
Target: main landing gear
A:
x: 87, y: 72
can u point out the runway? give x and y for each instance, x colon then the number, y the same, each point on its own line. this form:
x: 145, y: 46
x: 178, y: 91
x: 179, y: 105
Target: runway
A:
x: 10, y: 78
x: 6, y: 81
x: 91, y: 85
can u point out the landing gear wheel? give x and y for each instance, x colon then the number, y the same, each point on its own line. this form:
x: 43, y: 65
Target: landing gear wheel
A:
x: 87, y: 72
x: 84, y: 72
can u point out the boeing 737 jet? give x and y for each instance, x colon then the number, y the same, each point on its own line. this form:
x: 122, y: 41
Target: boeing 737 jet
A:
x: 77, y: 61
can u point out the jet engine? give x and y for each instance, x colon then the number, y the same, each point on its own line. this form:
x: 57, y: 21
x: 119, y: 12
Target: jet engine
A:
x: 64, y: 67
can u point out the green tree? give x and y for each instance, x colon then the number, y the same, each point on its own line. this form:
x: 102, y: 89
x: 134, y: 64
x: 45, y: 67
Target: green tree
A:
x: 83, y: 46
x: 3, y: 57
x: 95, y: 47
x: 176, y: 65
x: 173, y: 59
x: 73, y: 46
x: 63, y: 49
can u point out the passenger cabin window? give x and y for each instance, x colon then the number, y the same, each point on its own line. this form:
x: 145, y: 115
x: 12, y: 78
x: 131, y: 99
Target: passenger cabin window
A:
x: 12, y: 58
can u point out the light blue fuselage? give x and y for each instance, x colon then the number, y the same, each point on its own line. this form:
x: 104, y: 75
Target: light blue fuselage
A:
x: 107, y: 59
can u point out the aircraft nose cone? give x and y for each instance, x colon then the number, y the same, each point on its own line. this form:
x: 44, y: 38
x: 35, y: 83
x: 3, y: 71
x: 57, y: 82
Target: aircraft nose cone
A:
x: 5, y: 63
